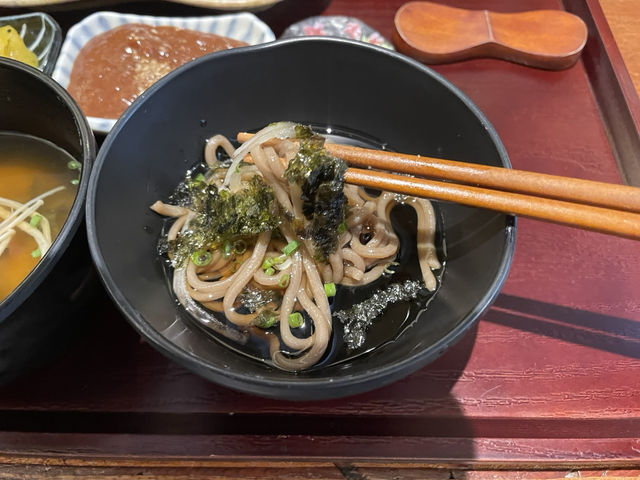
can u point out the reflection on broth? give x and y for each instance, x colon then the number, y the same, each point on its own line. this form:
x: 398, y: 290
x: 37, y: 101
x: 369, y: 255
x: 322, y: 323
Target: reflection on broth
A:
x: 38, y: 184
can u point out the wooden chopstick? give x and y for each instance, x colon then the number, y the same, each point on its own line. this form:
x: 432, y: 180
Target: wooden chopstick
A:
x: 620, y: 197
x: 587, y: 217
x: 585, y: 204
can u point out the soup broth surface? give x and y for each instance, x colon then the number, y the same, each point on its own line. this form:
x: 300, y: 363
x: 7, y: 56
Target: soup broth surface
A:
x: 30, y: 166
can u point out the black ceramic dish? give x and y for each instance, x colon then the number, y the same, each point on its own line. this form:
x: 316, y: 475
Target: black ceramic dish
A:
x: 38, y: 317
x: 341, y: 84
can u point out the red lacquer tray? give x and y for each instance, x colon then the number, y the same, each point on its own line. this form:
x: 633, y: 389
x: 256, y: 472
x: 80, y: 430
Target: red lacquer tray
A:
x: 549, y: 377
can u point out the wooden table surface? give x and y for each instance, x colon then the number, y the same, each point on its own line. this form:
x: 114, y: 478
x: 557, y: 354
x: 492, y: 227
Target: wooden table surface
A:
x: 624, y: 19
x: 578, y: 415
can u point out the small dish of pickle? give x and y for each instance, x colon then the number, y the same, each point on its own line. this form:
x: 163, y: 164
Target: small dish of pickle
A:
x: 31, y: 38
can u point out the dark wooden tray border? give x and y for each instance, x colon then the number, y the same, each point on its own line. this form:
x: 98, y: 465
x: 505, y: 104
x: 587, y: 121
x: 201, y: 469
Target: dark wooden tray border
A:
x: 612, y: 87
x: 620, y: 112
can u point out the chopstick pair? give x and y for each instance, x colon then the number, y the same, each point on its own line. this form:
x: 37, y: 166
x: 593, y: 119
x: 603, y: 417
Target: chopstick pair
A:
x: 585, y: 204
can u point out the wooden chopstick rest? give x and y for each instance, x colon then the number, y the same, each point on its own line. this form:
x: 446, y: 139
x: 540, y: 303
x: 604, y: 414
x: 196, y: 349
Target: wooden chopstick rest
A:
x: 433, y: 33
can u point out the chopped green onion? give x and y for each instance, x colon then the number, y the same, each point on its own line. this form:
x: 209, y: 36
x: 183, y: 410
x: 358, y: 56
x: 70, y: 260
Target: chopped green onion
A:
x: 227, y: 249
x: 271, y: 261
x: 284, y: 280
x: 278, y: 260
x: 330, y: 289
x: 200, y: 178
x: 201, y: 258
x: 36, y: 253
x: 35, y: 220
x: 265, y: 319
x: 270, y: 271
x: 74, y: 165
x: 75, y: 181
x: 239, y: 247
x: 238, y: 168
x: 290, y: 247
x: 342, y: 227
x: 295, y: 320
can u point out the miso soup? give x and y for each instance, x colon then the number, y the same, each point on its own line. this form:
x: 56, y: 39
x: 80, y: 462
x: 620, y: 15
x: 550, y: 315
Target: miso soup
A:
x: 31, y: 168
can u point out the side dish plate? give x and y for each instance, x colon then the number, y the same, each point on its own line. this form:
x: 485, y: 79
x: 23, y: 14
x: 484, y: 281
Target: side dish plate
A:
x: 217, y: 4
x: 242, y: 26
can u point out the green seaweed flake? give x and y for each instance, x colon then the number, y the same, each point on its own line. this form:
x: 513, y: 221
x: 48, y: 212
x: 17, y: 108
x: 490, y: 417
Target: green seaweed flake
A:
x: 321, y: 179
x: 222, y: 216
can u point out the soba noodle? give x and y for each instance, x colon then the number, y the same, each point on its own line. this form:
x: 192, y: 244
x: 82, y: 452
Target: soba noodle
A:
x: 283, y: 266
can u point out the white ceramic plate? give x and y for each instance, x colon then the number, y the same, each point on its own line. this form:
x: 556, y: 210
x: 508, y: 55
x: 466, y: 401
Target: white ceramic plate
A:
x: 241, y: 26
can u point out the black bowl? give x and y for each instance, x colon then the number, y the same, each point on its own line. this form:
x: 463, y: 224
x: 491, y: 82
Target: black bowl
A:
x: 39, y: 317
x: 367, y: 92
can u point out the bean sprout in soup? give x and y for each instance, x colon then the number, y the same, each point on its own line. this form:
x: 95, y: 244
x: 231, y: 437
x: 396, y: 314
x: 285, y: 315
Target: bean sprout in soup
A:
x: 38, y: 184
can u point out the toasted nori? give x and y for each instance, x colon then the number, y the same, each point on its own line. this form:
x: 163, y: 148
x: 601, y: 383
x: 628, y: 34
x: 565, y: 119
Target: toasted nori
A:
x: 222, y: 216
x: 321, y: 178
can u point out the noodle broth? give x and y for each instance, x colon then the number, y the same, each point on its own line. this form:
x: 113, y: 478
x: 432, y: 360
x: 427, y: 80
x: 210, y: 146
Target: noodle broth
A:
x: 399, y: 316
x: 29, y: 167
x: 385, y: 328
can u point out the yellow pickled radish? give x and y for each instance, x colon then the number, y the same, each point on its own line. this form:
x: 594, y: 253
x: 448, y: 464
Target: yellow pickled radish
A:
x: 12, y: 46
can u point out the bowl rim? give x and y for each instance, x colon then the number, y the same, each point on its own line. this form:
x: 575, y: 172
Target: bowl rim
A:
x: 60, y: 244
x: 315, y: 387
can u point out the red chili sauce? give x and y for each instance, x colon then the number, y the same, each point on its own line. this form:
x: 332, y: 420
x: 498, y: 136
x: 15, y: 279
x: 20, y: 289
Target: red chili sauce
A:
x: 114, y: 68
